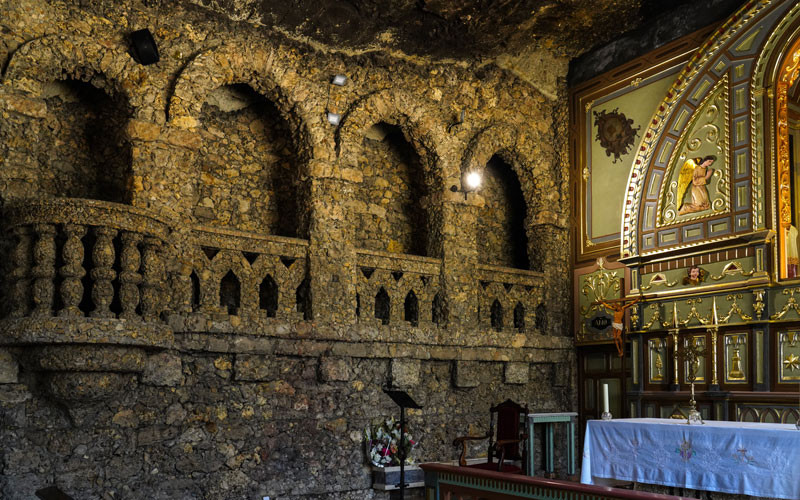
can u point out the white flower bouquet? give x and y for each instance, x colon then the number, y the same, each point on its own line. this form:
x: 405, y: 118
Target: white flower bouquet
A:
x: 384, y: 446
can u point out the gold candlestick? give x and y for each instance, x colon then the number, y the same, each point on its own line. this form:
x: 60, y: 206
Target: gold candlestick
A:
x: 714, y: 330
x: 691, y: 353
x: 674, y: 332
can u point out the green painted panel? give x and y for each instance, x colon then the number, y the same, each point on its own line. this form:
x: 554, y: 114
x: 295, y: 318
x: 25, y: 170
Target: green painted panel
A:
x: 608, y: 175
x: 707, y: 134
x: 716, y: 273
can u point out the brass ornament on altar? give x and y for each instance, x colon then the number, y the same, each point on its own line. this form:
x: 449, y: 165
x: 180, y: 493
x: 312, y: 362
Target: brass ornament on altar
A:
x: 691, y: 354
x: 789, y: 356
x: 656, y: 371
x: 735, y: 352
x: 791, y: 304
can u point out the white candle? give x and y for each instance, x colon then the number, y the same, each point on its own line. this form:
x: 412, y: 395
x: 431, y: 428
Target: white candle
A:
x: 605, y: 398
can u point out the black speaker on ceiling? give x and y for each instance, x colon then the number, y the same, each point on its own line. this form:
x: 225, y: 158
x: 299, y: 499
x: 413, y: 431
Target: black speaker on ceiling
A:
x: 144, y: 47
x: 52, y: 493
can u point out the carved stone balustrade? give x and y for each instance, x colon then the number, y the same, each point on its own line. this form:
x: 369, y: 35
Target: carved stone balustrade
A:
x: 229, y: 279
x: 396, y: 288
x: 87, y: 291
x: 508, y: 298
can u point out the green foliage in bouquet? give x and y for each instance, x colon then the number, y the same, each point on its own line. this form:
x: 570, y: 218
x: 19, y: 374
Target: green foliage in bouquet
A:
x: 384, y: 446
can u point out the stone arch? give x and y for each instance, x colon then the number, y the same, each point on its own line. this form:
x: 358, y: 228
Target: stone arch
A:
x: 82, y: 95
x: 256, y: 66
x: 249, y: 178
x: 394, y: 107
x: 54, y: 57
x: 398, y: 109
x: 537, y: 181
x: 545, y: 218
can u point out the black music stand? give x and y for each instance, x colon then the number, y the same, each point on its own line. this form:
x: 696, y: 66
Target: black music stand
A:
x: 403, y: 400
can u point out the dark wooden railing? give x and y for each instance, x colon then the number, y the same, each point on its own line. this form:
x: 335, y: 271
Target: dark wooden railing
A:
x: 447, y: 482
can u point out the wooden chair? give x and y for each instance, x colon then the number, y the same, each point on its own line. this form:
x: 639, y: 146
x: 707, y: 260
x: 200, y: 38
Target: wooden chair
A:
x: 505, y: 445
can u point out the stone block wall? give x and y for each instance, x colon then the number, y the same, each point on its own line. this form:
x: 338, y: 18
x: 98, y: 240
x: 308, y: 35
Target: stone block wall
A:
x: 219, y: 317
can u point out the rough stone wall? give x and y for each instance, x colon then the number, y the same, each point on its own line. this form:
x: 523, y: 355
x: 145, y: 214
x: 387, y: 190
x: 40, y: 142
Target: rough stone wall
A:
x: 124, y: 374
x: 247, y: 161
x: 71, y: 143
x: 501, y: 235
x: 387, y: 209
x: 229, y: 424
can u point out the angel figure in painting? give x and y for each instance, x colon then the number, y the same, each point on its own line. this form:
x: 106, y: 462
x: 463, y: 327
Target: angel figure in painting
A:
x: 695, y: 172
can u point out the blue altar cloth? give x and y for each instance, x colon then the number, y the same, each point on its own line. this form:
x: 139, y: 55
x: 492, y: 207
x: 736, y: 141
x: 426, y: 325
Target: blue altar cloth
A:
x: 761, y: 460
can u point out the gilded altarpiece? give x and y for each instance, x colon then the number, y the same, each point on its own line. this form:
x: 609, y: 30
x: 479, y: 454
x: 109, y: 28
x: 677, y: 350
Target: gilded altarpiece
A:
x: 601, y: 281
x: 607, y: 117
x: 704, y: 227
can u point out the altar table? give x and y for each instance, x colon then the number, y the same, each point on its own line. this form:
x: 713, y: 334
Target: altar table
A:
x: 761, y: 460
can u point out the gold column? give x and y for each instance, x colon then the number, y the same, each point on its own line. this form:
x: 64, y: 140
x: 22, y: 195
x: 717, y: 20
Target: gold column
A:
x: 714, y: 331
x: 674, y: 333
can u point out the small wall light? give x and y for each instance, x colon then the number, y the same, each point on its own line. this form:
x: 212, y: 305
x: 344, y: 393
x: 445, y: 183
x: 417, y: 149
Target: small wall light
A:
x: 339, y: 80
x: 470, y: 182
x: 473, y: 180
x: 334, y: 118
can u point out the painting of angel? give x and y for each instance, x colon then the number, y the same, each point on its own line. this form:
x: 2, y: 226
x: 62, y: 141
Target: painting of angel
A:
x: 694, y: 173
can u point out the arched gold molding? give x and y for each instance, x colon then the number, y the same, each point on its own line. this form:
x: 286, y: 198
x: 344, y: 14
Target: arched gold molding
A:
x: 256, y: 66
x: 787, y: 74
x: 748, y: 16
x: 56, y: 57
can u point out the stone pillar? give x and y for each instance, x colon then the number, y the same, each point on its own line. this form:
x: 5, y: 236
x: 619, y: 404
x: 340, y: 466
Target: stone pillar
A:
x: 549, y: 252
x: 460, y: 256
x: 331, y: 255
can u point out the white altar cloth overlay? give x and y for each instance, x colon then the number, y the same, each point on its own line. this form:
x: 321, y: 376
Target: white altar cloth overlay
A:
x: 747, y: 458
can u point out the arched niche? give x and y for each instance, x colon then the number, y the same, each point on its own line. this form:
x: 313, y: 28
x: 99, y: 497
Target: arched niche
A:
x: 248, y: 164
x: 723, y: 104
x: 388, y: 214
x: 529, y: 193
x: 73, y: 104
x: 387, y: 146
x: 501, y: 234
x: 260, y: 68
x: 88, y: 153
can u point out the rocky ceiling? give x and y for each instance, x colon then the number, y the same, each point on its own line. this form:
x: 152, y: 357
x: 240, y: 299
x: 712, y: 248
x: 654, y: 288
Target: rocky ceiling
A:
x: 456, y: 29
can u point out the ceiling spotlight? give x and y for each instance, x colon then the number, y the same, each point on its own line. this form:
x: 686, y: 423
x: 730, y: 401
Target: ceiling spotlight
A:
x: 339, y: 80
x: 472, y: 180
x: 334, y: 118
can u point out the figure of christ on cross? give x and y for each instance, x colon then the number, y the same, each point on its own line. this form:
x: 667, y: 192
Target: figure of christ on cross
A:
x: 618, y: 307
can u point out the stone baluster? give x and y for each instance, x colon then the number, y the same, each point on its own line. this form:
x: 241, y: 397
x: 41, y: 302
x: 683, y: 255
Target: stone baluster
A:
x: 129, y: 276
x: 103, y: 256
x: 20, y: 275
x: 72, y: 271
x: 153, y: 279
x: 44, y: 269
